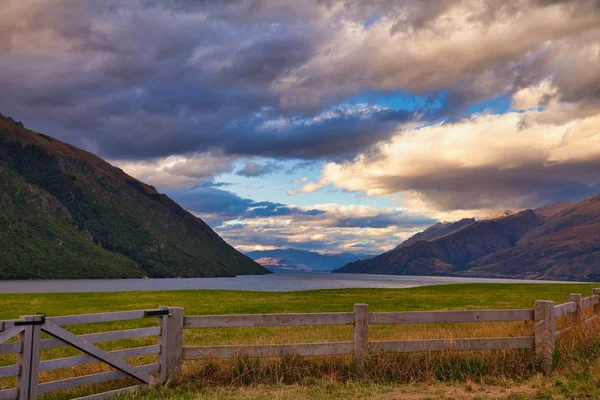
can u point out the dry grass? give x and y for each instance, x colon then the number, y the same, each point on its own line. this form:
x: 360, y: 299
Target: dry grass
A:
x: 510, y: 375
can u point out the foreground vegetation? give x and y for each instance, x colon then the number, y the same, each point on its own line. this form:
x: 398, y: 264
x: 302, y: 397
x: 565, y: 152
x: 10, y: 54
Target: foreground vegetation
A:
x: 469, y: 374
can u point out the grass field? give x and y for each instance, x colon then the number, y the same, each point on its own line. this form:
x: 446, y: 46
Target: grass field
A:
x: 578, y: 372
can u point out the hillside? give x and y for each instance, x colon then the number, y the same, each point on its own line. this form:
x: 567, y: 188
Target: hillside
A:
x: 437, y: 230
x: 280, y: 265
x: 312, y: 260
x: 557, y: 241
x: 66, y: 213
x: 566, y: 246
x: 450, y: 253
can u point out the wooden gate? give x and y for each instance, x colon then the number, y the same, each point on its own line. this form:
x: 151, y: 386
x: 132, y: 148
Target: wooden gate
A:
x: 29, y: 331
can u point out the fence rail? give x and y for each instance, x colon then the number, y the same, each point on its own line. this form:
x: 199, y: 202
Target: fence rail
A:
x: 170, y: 351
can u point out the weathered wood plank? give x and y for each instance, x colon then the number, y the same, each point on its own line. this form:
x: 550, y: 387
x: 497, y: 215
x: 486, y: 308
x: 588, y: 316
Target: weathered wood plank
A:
x: 11, y: 370
x: 163, y: 340
x: 361, y: 330
x: 565, y: 308
x: 249, y: 320
x: 8, y: 348
x: 89, y: 348
x: 9, y: 394
x: 70, y: 383
x: 560, y: 333
x: 595, y: 299
x: 409, y: 346
x: 94, y: 318
x: 586, y: 302
x: 36, y: 337
x: 576, y: 298
x: 68, y: 362
x: 171, y: 343
x: 591, y: 320
x: 10, y: 333
x: 545, y: 328
x: 105, y: 336
x: 268, y: 350
x: 422, y: 317
x: 112, y: 393
x: 22, y: 382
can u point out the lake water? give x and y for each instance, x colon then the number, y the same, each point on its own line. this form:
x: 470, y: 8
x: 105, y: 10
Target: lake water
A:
x: 260, y: 283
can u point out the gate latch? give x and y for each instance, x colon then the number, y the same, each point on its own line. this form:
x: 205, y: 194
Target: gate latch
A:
x: 40, y: 321
x: 155, y: 313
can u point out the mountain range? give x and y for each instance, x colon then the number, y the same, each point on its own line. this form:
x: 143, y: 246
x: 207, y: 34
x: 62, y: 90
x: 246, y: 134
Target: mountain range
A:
x: 294, y: 260
x: 557, y: 241
x: 66, y: 213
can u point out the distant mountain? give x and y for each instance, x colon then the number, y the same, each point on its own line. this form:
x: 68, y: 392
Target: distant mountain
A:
x: 437, y: 230
x: 66, y: 213
x: 452, y: 252
x: 558, y: 241
x: 550, y: 210
x: 280, y: 265
x: 566, y: 246
x: 503, y: 214
x: 309, y: 259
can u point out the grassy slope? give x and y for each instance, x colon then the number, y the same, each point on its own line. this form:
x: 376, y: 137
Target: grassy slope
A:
x: 468, y: 296
x: 39, y: 239
x: 118, y: 212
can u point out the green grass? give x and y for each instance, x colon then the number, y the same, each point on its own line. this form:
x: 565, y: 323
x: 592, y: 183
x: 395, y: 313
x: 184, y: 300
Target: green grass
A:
x: 323, y: 378
x: 197, y: 302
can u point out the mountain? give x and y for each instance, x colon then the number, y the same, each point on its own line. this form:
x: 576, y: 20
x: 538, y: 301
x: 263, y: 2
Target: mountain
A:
x: 280, y: 265
x: 452, y: 252
x: 566, y: 246
x: 557, y: 241
x: 550, y: 210
x: 437, y: 230
x: 309, y: 259
x: 66, y: 213
x: 503, y: 214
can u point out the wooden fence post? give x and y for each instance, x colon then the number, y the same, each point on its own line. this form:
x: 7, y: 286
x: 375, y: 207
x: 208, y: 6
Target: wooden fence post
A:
x: 596, y: 292
x: 545, y: 327
x: 361, y: 331
x: 36, y: 346
x: 577, y: 298
x: 29, y: 359
x: 24, y: 361
x: 171, y: 342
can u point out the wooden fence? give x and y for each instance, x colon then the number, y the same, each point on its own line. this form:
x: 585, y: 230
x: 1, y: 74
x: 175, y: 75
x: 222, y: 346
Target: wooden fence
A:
x: 170, y: 351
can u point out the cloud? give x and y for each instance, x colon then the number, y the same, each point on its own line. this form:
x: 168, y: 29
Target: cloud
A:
x: 470, y: 49
x: 253, y: 170
x: 380, y: 92
x: 218, y: 206
x: 485, y: 162
x: 247, y: 223
x: 147, y: 79
x: 176, y: 171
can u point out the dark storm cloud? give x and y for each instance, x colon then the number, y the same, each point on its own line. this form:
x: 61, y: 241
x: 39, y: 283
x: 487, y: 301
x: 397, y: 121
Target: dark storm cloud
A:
x: 152, y: 78
x: 218, y: 206
x: 224, y: 205
x: 253, y: 170
x: 383, y: 221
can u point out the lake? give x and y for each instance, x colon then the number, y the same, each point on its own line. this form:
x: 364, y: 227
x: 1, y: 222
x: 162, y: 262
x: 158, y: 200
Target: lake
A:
x: 261, y: 283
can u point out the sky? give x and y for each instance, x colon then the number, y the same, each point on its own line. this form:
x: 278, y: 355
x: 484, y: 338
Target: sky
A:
x: 324, y: 125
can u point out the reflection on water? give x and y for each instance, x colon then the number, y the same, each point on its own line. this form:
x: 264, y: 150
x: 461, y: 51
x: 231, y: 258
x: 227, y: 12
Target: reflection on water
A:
x: 261, y: 283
